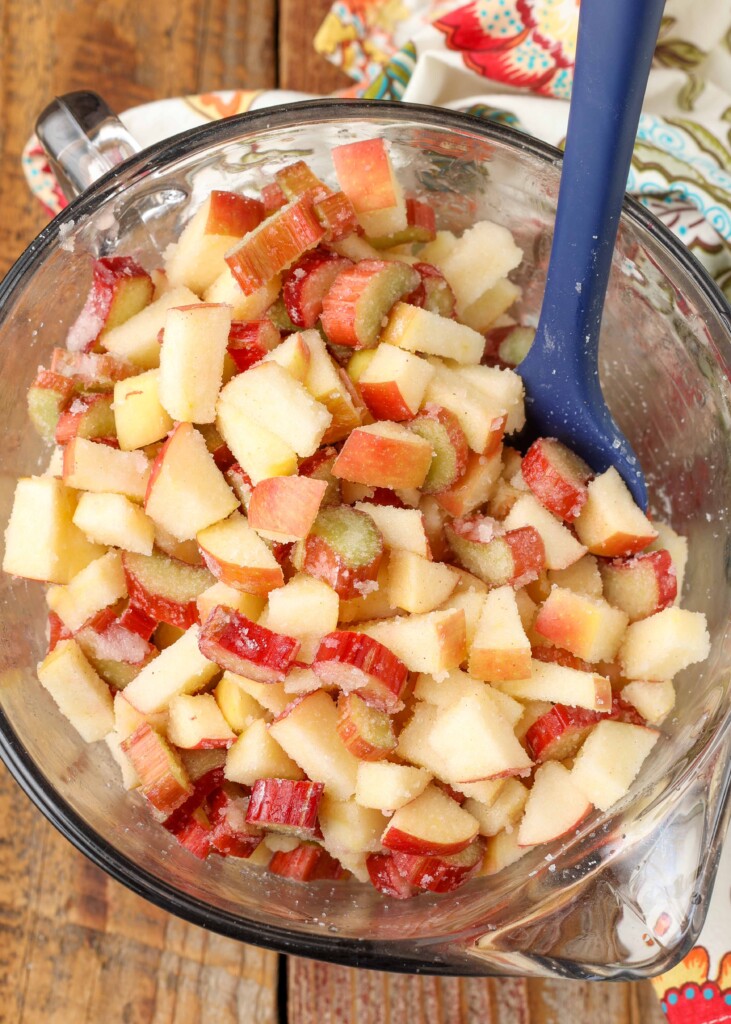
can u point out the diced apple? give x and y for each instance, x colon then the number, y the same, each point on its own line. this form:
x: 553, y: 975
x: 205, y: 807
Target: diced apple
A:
x: 136, y: 339
x: 416, y: 584
x: 93, y: 466
x: 475, y: 742
x: 191, y: 360
x: 260, y: 452
x: 41, y: 540
x: 384, y: 454
x: 502, y: 811
x: 237, y: 556
x: 559, y: 732
x: 272, y: 398
x: 434, y: 642
x: 120, y: 288
x: 431, y: 824
x: 483, y: 255
x: 239, y: 709
x: 561, y: 685
x: 609, y: 761
x: 245, y: 647
x: 482, y: 420
x: 274, y: 245
x: 367, y: 178
x: 500, y: 388
x: 446, y: 691
x: 284, y: 508
x: 420, y: 227
x: 139, y: 416
x: 257, y: 755
x: 500, y: 649
x: 582, y: 577
x: 293, y: 355
x: 561, y: 547
x: 555, y: 806
x: 246, y: 307
x: 197, y: 258
x: 610, y: 523
x: 93, y: 370
x: 97, y: 586
x: 502, y: 850
x: 80, y: 694
x: 658, y: 647
x: 394, y: 382
x: 114, y: 520
x: 481, y: 314
x: 588, y: 627
x: 388, y: 786
x: 196, y: 722
x: 308, y: 733
x: 325, y: 382
x: 348, y: 827
x: 668, y: 540
x: 303, y: 607
x: 186, y: 491
x: 250, y: 605
x: 654, y: 701
x: 418, y: 330
x: 180, y: 668
x: 402, y: 529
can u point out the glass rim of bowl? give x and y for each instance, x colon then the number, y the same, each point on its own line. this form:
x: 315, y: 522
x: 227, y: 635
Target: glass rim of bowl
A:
x: 25, y: 771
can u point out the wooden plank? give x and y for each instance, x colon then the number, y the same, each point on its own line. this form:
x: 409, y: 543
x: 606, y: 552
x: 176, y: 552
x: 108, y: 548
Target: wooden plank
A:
x: 131, y: 53
x: 299, y: 67
x: 327, y: 994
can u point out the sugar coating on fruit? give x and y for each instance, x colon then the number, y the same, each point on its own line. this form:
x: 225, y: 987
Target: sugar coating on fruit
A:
x: 349, y: 629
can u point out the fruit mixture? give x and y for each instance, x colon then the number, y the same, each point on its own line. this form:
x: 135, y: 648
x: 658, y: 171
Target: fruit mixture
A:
x: 322, y: 614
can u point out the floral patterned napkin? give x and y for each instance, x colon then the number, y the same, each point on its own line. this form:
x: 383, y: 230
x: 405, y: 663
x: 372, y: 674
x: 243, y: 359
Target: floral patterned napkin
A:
x: 512, y: 61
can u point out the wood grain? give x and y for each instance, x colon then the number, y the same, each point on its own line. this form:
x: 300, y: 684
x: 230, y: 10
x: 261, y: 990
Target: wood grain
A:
x: 75, y: 947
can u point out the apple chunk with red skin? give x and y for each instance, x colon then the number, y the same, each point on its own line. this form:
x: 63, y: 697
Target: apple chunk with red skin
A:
x: 195, y: 722
x: 285, y: 805
x: 610, y: 522
x: 237, y: 555
x: 120, y: 287
x: 284, y: 508
x: 555, y: 806
x: 610, y: 760
x: 394, y: 383
x: 474, y: 742
x: 384, y: 454
x: 561, y: 685
x: 366, y: 175
x: 432, y: 824
x: 356, y: 662
x: 48, y: 396
x: 246, y: 648
x: 500, y: 649
x: 588, y: 627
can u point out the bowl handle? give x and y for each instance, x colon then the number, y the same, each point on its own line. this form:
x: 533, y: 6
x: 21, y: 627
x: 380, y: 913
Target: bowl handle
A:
x: 83, y: 139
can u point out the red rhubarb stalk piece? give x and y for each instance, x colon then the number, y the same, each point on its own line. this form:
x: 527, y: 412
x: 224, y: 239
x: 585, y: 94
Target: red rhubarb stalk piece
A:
x: 557, y: 476
x: 356, y: 662
x: 305, y: 285
x: 283, y: 805
x: 246, y: 648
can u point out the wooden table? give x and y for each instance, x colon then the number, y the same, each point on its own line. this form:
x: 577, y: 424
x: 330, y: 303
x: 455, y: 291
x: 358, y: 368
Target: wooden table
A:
x: 76, y: 947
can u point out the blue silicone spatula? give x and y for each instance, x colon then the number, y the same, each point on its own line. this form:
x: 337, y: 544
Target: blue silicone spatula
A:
x: 614, y: 51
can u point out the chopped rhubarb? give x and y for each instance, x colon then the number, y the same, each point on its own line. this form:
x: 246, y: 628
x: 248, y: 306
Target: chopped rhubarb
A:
x: 249, y: 341
x: 440, y: 873
x: 642, y: 585
x: 282, y: 805
x: 319, y: 467
x: 195, y: 834
x: 137, y: 622
x: 360, y: 297
x: 240, y: 483
x: 232, y: 835
x: 120, y: 287
x: 273, y: 198
x: 164, y: 780
x: 306, y: 284
x: 356, y: 662
x: 366, y: 731
x: 344, y: 548
x: 48, y: 396
x: 56, y: 631
x: 557, y: 477
x: 97, y: 370
x: 306, y: 863
x: 337, y: 216
x: 514, y: 558
x: 246, y: 648
x: 88, y: 416
x: 433, y: 292
x: 297, y: 179
x: 275, y: 245
x: 420, y: 227
x: 441, y: 429
x: 165, y: 589
x: 385, y: 877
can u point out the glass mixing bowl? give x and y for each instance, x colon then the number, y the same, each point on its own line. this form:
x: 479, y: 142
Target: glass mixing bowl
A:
x: 626, y: 896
